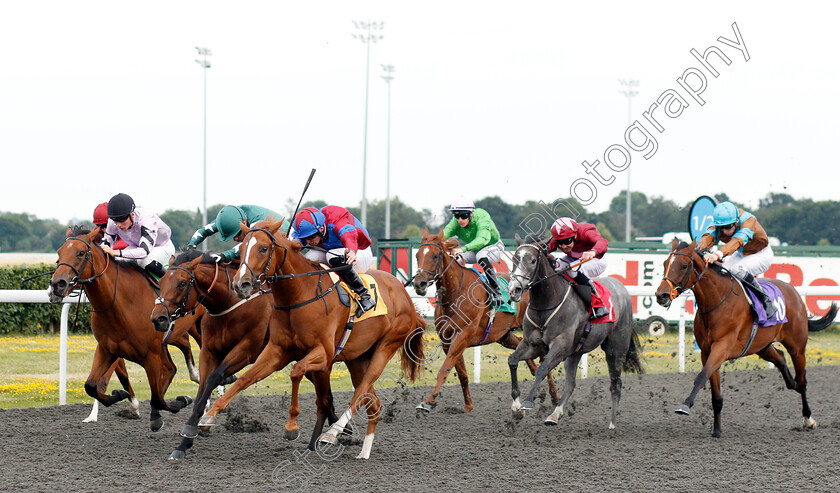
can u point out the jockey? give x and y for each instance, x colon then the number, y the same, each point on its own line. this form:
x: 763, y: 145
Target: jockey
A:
x: 746, y: 247
x: 340, y: 239
x: 145, y: 233
x: 227, y: 225
x: 100, y: 220
x: 580, y: 242
x: 482, y: 243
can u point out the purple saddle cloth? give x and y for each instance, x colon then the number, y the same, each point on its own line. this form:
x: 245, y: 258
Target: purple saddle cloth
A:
x: 776, y: 298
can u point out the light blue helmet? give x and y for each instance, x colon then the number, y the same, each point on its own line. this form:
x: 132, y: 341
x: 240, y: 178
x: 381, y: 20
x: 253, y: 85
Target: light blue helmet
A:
x: 725, y: 214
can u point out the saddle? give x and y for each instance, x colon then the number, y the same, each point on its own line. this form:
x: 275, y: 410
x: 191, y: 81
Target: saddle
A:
x: 507, y: 306
x: 356, y: 313
x: 603, y: 298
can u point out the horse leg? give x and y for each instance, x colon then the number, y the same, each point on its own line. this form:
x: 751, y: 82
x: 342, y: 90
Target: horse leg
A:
x: 160, y: 371
x: 523, y: 351
x: 511, y: 341
x: 97, y: 382
x: 717, y: 401
x: 553, y: 358
x: 571, y: 366
x: 365, y: 395
x: 711, y: 364
x: 323, y: 403
x: 616, y: 349
x: 463, y: 377
x: 271, y: 359
x: 773, y: 355
x: 183, y: 344
x: 797, y: 354
x: 454, y: 353
x: 122, y: 375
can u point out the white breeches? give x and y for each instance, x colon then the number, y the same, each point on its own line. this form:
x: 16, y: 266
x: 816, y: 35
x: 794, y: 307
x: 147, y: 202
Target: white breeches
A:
x: 755, y: 264
x: 364, y: 258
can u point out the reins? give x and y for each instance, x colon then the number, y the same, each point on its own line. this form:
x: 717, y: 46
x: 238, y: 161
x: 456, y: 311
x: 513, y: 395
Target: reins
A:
x: 677, y: 287
x: 75, y: 281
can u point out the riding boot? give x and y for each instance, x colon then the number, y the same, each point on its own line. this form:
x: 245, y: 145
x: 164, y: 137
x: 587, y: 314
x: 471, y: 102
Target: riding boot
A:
x: 769, y: 307
x: 156, y: 269
x: 581, y: 279
x: 492, y: 281
x: 351, y: 277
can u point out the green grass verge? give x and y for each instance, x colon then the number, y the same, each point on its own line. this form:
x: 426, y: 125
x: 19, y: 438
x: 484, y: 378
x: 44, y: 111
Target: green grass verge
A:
x: 29, y: 367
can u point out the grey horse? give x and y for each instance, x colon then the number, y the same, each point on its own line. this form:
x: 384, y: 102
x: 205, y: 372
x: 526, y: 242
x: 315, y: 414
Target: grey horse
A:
x: 555, y: 327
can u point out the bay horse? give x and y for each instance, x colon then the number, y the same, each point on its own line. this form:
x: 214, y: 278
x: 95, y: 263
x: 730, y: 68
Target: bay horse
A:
x: 557, y: 327
x: 233, y: 331
x: 462, y: 313
x: 121, y: 298
x: 308, y: 309
x: 723, y: 325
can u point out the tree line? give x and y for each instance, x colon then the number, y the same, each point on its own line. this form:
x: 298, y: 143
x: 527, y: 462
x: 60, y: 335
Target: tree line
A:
x: 794, y: 221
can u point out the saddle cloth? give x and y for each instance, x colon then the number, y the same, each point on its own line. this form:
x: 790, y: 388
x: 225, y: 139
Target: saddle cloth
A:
x: 350, y: 299
x: 507, y: 305
x: 604, y: 298
x: 776, y: 298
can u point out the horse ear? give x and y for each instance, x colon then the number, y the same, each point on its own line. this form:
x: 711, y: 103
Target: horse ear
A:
x: 243, y: 227
x: 172, y: 260
x: 440, y: 233
x: 451, y: 243
x: 192, y: 264
x: 68, y: 233
x: 517, y: 238
x: 425, y: 232
x: 674, y: 244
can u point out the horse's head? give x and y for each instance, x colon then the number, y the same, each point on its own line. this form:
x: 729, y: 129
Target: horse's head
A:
x: 431, y: 258
x: 526, y: 264
x: 262, y: 253
x: 680, y: 274
x: 75, y: 262
x: 178, y: 290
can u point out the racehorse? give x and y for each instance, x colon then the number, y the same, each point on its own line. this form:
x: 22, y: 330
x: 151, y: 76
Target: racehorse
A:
x: 557, y: 326
x: 309, y: 309
x: 462, y: 313
x: 723, y: 325
x: 121, y: 299
x: 233, y: 331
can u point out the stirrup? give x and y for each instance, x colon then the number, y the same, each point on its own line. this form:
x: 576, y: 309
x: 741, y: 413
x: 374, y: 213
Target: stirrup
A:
x: 602, y: 310
x: 366, y: 302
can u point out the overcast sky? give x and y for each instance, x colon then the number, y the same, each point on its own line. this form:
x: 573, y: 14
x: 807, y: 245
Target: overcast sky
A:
x: 488, y: 98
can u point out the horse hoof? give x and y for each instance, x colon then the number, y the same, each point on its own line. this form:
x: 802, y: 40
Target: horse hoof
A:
x: 527, y: 405
x: 206, y: 422
x: 810, y: 424
x: 291, y: 435
x: 177, y: 455
x: 229, y: 380
x: 424, y: 406
x: 329, y: 439
x: 348, y: 430
x: 156, y: 424
x: 683, y: 409
x: 551, y: 421
x: 184, y: 400
x: 189, y: 431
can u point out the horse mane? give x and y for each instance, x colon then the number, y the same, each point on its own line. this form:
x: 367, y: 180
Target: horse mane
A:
x: 535, y: 239
x: 191, y: 254
x: 80, y: 230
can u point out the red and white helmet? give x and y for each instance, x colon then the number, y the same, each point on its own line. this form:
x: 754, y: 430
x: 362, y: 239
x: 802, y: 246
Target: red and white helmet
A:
x: 563, y: 228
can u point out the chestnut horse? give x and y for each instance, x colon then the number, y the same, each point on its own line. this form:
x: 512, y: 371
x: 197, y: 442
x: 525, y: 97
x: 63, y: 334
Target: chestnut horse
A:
x: 308, y: 309
x: 723, y: 325
x: 462, y: 313
x: 121, y: 298
x: 233, y: 331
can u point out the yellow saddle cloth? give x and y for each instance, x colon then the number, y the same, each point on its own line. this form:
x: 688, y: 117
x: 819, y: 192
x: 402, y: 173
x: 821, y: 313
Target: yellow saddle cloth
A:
x: 370, y: 283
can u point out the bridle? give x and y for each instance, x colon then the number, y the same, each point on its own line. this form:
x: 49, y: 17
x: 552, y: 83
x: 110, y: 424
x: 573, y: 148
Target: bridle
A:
x: 528, y: 283
x: 677, y: 287
x: 437, y: 274
x: 181, y: 309
x: 76, y: 281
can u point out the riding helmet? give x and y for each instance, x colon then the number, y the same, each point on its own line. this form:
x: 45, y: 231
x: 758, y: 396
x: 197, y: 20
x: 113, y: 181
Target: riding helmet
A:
x: 462, y: 204
x: 227, y: 221
x: 120, y: 205
x: 100, y: 214
x: 563, y: 228
x: 308, y: 222
x: 725, y: 214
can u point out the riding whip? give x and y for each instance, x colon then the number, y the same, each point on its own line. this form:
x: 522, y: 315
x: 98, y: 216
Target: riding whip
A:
x: 311, y: 174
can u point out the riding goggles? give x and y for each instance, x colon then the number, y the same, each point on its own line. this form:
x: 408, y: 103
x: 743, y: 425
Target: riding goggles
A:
x: 566, y: 241
x: 727, y: 226
x: 121, y: 219
x: 462, y: 214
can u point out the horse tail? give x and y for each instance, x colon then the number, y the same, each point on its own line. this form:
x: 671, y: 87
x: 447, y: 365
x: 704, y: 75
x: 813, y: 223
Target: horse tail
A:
x: 824, y: 322
x: 632, y: 363
x: 412, y: 356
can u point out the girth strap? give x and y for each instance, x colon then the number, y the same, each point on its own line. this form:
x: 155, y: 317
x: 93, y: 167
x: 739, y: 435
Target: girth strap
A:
x: 542, y: 327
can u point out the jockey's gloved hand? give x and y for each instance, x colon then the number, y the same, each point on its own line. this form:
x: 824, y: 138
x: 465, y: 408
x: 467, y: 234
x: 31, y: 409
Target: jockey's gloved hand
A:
x: 217, y: 258
x: 191, y: 247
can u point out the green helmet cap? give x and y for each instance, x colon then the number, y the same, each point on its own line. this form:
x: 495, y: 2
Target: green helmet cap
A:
x: 227, y: 221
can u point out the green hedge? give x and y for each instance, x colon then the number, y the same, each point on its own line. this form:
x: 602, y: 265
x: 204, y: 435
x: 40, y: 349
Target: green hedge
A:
x: 36, y: 318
